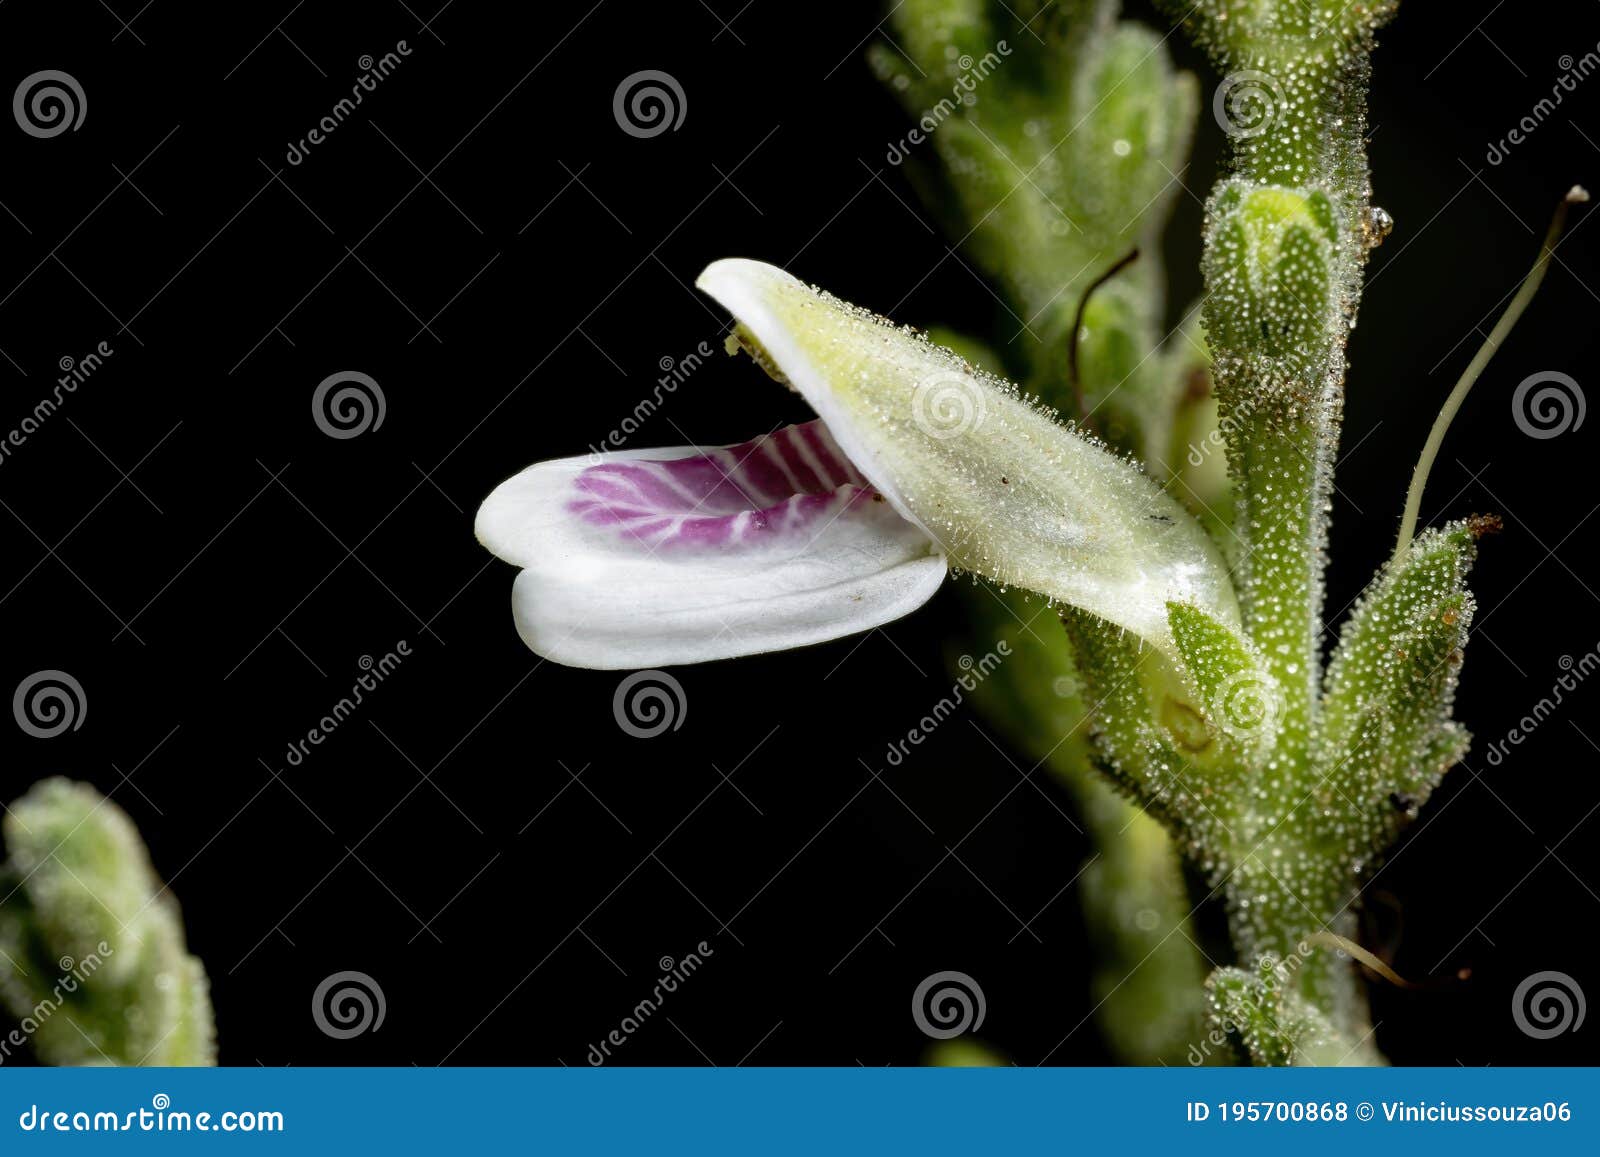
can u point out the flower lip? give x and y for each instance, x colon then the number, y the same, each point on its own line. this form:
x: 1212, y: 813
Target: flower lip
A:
x: 654, y: 557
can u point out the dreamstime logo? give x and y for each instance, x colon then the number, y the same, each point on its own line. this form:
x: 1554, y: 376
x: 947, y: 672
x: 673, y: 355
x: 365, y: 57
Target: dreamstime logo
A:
x: 1246, y: 705
x: 374, y: 672
x: 1227, y: 424
x: 348, y: 404
x: 74, y: 372
x: 1246, y: 103
x: 963, y: 94
x: 48, y: 104
x: 648, y: 703
x: 1573, y: 73
x: 75, y: 974
x: 674, y: 372
x: 1548, y: 404
x: 973, y: 672
x: 948, y: 1004
x: 674, y: 973
x: 49, y: 703
x: 1548, y: 1004
x: 373, y: 73
x: 649, y: 103
x: 1575, y: 671
x: 348, y: 1004
x: 948, y: 405
x: 1273, y: 975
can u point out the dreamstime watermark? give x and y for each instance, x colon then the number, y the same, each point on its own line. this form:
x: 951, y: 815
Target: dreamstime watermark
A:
x: 49, y: 703
x: 348, y: 404
x: 674, y: 372
x: 48, y: 104
x: 348, y: 1004
x: 649, y: 103
x: 1577, y: 670
x: 1548, y: 1004
x: 159, y: 1118
x: 1548, y: 404
x: 375, y: 671
x: 373, y: 72
x: 649, y: 703
x: 1217, y: 439
x: 974, y: 671
x: 74, y: 372
x: 1573, y: 72
x: 74, y: 975
x: 947, y: 1004
x: 948, y: 404
x: 673, y: 974
x: 963, y: 92
x: 1274, y: 976
x: 1246, y: 104
x: 1245, y: 706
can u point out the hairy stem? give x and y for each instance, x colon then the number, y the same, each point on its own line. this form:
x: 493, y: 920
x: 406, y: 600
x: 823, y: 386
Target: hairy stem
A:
x: 1287, y: 235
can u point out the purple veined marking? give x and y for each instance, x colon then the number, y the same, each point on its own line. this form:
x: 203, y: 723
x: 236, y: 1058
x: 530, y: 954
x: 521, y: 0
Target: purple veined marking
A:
x: 782, y: 483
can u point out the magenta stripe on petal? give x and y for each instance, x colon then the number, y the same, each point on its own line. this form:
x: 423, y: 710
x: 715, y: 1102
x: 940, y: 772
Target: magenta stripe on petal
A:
x: 786, y: 482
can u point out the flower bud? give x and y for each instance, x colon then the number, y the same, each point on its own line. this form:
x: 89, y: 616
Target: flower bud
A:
x: 1270, y: 270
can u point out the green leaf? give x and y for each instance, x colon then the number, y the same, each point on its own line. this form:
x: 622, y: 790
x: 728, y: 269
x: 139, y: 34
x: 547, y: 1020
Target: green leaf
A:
x: 1385, y: 735
x: 1147, y: 731
x: 1239, y: 697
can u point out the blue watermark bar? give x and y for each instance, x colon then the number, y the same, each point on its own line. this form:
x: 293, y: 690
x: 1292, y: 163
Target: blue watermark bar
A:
x: 811, y: 1111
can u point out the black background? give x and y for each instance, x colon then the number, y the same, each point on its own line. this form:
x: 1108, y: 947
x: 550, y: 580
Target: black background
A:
x: 485, y: 242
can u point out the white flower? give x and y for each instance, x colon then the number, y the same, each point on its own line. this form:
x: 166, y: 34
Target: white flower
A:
x: 918, y: 463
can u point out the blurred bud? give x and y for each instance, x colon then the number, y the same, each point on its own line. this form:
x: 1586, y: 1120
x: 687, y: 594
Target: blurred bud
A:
x: 92, y: 958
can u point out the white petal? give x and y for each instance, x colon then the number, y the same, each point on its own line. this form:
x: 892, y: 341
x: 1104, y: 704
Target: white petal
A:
x: 656, y: 557
x: 1003, y: 487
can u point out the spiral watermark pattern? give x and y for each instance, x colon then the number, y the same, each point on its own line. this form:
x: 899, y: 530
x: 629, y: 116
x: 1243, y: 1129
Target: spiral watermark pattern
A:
x: 348, y: 404
x: 649, y: 703
x: 1548, y: 404
x: 1246, y: 103
x: 947, y: 405
x: 48, y: 104
x: 948, y: 1004
x: 1246, y: 705
x: 49, y: 703
x: 649, y: 103
x: 1548, y: 1004
x: 348, y: 1004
